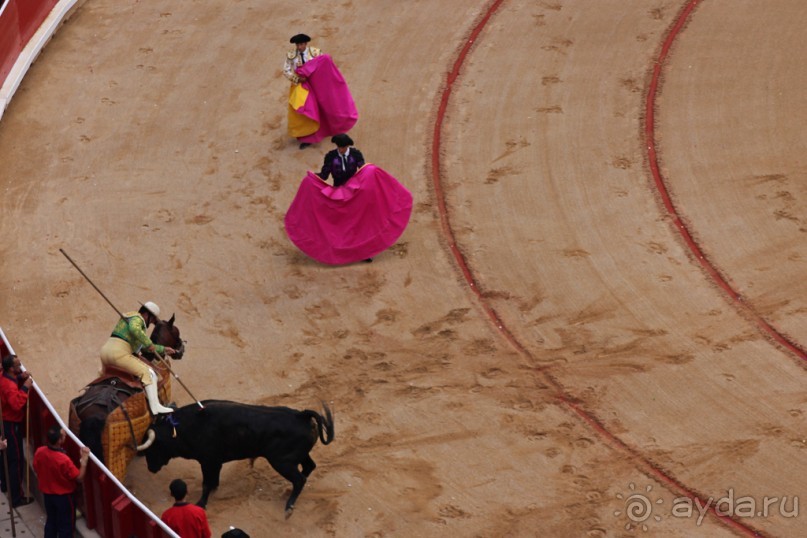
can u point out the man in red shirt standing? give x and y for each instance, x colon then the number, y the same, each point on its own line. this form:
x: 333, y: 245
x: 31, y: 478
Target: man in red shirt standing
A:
x: 58, y: 475
x: 14, y: 385
x: 187, y: 520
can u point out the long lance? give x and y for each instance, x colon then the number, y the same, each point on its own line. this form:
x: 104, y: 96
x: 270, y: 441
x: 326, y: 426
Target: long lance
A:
x: 167, y: 367
x: 162, y: 361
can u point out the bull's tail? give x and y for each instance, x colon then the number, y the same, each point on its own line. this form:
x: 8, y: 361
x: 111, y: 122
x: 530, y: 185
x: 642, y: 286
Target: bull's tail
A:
x: 324, y: 424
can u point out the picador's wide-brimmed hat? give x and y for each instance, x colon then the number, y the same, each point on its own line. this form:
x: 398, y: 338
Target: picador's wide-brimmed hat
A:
x: 299, y: 38
x: 342, y: 140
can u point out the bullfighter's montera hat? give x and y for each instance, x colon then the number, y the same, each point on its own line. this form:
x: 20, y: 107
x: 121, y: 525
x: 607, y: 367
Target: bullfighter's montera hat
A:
x: 342, y: 140
x: 299, y: 38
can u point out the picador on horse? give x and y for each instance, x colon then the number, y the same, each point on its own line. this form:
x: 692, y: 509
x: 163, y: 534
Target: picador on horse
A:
x: 128, y: 338
x: 112, y: 414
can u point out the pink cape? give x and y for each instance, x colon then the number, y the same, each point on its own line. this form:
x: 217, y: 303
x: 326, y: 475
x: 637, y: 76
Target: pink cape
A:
x: 360, y: 219
x: 329, y: 101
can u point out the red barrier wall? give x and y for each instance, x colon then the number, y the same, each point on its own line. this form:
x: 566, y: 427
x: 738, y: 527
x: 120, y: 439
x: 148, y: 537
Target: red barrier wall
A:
x: 31, y: 15
x: 10, y: 40
x: 19, y: 21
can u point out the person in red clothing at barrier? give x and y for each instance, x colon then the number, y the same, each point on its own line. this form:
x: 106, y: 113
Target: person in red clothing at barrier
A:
x: 187, y: 520
x: 14, y: 385
x: 58, y: 477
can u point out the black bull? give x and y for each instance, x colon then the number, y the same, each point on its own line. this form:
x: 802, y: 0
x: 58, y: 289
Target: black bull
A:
x: 227, y: 431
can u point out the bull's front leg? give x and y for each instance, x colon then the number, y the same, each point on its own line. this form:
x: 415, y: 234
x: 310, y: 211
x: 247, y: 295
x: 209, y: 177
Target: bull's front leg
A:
x: 210, y: 481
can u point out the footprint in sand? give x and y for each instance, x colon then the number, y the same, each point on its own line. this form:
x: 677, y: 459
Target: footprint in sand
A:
x: 61, y: 289
x: 199, y: 219
x: 623, y: 163
x: 386, y: 316
x: 452, y: 512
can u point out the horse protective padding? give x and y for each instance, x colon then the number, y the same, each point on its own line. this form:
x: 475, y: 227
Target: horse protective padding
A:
x: 164, y: 383
x: 126, y: 424
x: 117, y: 439
x: 73, y: 422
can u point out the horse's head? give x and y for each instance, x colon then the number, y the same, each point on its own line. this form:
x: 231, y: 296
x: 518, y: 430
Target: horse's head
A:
x: 166, y: 334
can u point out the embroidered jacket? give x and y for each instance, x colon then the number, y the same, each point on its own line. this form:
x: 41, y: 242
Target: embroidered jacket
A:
x: 295, y: 59
x: 133, y: 330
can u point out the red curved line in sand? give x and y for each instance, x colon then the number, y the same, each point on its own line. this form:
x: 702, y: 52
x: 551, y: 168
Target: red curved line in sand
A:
x: 651, y: 468
x: 695, y: 249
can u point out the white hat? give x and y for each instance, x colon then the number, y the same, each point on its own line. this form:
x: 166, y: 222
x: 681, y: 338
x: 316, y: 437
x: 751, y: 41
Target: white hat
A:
x: 153, y: 308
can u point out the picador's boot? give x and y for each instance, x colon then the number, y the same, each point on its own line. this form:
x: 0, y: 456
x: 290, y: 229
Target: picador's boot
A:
x: 154, y: 401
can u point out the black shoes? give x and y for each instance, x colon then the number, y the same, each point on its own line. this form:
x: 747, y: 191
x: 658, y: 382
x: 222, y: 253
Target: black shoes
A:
x: 24, y: 501
x: 304, y: 145
x: 368, y: 260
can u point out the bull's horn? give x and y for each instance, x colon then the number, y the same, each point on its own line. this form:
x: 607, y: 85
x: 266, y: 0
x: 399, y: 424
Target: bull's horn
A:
x: 150, y: 437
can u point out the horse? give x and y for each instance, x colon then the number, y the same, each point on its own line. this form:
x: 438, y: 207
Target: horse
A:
x: 116, y: 398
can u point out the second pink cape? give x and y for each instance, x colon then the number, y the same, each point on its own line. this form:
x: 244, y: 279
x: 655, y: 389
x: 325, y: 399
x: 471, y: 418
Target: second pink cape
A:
x: 360, y: 219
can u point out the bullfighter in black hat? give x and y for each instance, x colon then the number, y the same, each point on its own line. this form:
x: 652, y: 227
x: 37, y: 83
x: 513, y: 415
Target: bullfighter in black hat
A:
x: 295, y: 58
x: 343, y: 162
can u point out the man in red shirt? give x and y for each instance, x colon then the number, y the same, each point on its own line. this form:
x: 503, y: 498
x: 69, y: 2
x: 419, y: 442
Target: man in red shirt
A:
x: 58, y: 475
x: 14, y: 385
x: 187, y: 520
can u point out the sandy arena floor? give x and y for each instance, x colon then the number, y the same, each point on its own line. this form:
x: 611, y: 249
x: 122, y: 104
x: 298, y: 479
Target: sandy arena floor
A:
x: 626, y: 333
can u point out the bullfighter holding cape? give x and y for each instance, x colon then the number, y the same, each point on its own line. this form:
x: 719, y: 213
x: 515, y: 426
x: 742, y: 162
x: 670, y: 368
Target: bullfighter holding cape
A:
x: 320, y: 103
x: 350, y: 222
